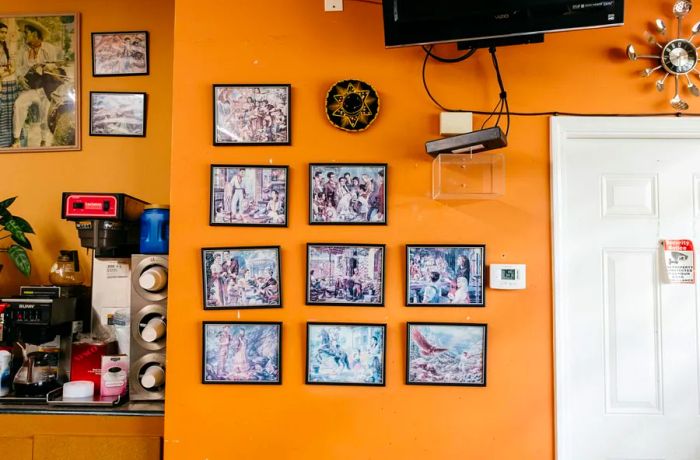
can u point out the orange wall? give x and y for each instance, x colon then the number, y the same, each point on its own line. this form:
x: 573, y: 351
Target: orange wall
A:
x: 279, y: 41
x: 137, y: 166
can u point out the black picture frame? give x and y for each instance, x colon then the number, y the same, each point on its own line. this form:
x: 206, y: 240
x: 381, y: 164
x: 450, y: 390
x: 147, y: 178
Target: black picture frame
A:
x: 411, y: 296
x: 207, y: 289
x: 206, y: 381
x: 213, y: 195
x: 247, y: 128
x: 135, y: 53
x: 310, y: 292
x: 409, y: 381
x: 310, y: 324
x: 111, y: 133
x: 383, y: 169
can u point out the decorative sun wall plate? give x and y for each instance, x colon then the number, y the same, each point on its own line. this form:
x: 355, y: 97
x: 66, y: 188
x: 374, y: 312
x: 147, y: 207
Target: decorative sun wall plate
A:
x: 352, y: 105
x: 678, y: 57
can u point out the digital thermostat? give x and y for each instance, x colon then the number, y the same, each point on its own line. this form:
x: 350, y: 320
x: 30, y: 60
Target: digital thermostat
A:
x: 507, y: 276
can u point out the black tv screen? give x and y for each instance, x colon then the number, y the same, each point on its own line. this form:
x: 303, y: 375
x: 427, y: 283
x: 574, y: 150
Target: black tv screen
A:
x: 418, y: 22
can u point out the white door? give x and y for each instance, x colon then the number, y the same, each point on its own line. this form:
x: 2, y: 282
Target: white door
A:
x: 626, y: 344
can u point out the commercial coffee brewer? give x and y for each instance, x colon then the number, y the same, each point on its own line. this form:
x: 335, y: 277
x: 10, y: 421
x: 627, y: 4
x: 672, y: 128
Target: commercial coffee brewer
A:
x: 40, y: 331
x: 129, y: 290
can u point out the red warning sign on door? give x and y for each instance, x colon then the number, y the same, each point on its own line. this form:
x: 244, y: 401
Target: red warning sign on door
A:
x: 679, y: 260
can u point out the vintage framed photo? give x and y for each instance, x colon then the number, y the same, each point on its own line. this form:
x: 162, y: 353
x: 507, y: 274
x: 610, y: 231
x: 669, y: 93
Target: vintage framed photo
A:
x: 119, y: 53
x: 241, y: 277
x: 345, y: 274
x: 252, y: 114
x: 242, y: 352
x: 40, y: 83
x: 346, y: 354
x: 348, y: 194
x: 117, y: 114
x: 446, y: 354
x: 249, y: 195
x: 445, y: 275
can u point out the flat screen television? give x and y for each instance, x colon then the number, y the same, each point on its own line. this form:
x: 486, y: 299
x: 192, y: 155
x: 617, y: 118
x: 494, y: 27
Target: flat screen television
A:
x: 420, y: 22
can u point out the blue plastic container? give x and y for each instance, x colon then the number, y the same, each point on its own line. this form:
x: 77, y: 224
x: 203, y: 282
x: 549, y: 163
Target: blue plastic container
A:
x: 155, y: 229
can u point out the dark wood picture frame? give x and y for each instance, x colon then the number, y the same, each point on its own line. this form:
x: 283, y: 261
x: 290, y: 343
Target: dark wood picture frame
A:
x: 212, y: 198
x: 482, y: 268
x: 243, y: 382
x: 384, y: 172
x: 346, y: 304
x: 115, y: 93
x: 205, y: 284
x: 380, y: 325
x: 433, y: 349
x: 146, y: 57
x: 287, y: 114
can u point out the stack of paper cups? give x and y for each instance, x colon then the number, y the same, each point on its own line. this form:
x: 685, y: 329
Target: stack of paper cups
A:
x: 153, y: 377
x: 154, y: 330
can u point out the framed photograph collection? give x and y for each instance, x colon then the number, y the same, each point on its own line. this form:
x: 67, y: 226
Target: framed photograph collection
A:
x: 337, y: 274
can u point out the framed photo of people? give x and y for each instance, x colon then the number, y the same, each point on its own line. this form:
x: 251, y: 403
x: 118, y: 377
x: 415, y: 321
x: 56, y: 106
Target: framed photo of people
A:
x: 445, y: 275
x: 345, y: 274
x: 117, y: 114
x: 248, y: 195
x: 241, y: 277
x: 446, y: 354
x: 347, y: 194
x: 117, y: 54
x: 242, y: 352
x: 40, y: 82
x: 345, y: 354
x: 252, y: 114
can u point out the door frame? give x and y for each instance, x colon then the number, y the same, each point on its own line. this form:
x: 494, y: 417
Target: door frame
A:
x: 563, y: 129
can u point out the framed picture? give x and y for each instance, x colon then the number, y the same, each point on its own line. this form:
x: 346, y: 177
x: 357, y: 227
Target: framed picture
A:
x: 242, y: 352
x: 350, y: 193
x: 446, y: 354
x: 249, y: 195
x: 345, y: 354
x: 119, y: 53
x: 252, y: 115
x: 117, y: 114
x: 241, y: 277
x: 40, y: 83
x: 445, y: 275
x: 345, y: 274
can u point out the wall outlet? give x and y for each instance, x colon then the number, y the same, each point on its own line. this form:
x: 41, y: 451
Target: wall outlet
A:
x: 333, y: 5
x: 453, y: 123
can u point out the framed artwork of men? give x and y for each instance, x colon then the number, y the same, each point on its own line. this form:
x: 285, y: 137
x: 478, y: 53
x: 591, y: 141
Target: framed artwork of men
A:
x: 249, y: 195
x: 119, y: 53
x: 40, y: 83
x: 257, y: 114
x: 445, y: 275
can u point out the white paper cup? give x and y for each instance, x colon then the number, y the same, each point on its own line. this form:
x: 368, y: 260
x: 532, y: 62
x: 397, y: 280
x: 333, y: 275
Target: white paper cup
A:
x: 154, y: 279
x: 154, y: 330
x: 153, y: 377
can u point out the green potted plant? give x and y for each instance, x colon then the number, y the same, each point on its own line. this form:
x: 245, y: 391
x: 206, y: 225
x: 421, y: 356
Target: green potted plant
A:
x: 16, y: 229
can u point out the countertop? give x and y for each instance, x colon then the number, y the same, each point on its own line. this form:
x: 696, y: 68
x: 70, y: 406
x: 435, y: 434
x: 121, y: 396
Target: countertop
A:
x: 140, y: 408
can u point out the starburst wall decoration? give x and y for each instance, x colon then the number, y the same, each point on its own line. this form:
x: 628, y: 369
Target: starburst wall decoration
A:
x: 352, y: 105
x: 678, y: 57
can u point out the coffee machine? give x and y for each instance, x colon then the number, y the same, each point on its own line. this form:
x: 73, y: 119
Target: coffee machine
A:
x: 40, y: 332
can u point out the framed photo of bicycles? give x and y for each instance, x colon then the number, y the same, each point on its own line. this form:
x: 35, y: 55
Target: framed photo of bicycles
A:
x: 241, y: 277
x: 40, y: 89
x: 117, y: 54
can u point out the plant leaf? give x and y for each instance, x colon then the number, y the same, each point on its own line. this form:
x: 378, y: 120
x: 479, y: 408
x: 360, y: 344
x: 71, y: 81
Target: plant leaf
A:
x: 23, y: 225
x: 6, y: 203
x: 5, y: 215
x: 13, y: 227
x: 25, y: 244
x: 19, y: 257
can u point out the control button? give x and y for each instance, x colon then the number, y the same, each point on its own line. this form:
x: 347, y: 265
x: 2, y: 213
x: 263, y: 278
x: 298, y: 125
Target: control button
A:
x: 78, y: 205
x: 105, y: 205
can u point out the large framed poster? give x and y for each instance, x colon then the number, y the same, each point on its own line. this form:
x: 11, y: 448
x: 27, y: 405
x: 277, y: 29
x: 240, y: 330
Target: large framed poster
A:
x: 40, y: 83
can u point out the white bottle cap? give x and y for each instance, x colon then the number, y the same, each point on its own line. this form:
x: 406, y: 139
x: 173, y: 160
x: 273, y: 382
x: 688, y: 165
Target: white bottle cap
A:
x: 79, y: 389
x: 154, y: 279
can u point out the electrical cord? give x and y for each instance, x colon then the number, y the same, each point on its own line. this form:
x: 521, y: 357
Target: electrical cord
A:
x: 547, y: 113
